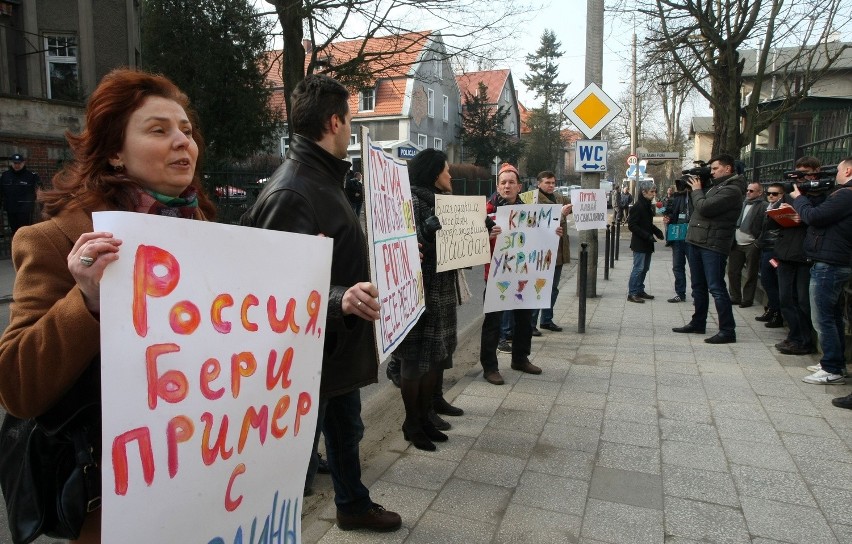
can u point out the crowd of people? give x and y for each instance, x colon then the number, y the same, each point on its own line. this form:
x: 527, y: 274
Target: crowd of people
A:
x: 796, y: 240
x: 139, y: 152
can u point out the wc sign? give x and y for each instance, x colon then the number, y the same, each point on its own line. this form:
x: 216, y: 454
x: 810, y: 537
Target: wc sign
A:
x: 590, y: 156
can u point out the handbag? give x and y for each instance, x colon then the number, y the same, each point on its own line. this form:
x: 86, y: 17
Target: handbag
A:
x: 50, y: 472
x: 676, y: 232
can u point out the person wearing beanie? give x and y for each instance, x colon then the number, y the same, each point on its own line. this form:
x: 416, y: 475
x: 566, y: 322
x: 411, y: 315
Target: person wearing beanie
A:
x: 428, y: 348
x: 508, y: 188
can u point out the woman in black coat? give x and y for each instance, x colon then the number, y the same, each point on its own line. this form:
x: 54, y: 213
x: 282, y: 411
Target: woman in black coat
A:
x: 641, y: 225
x: 428, y: 348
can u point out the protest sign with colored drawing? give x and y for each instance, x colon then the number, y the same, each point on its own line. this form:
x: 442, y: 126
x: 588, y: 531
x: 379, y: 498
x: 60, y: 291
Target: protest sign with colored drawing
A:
x: 211, y: 365
x: 524, y: 257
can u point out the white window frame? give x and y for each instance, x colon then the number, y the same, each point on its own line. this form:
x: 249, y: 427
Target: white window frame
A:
x: 439, y: 144
x: 430, y: 102
x: 446, y: 108
x: 422, y: 141
x: 439, y: 68
x: 371, y: 97
x: 70, y: 42
x: 353, y: 138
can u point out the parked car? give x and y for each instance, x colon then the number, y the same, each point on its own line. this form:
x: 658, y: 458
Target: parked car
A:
x: 229, y: 192
x: 566, y: 191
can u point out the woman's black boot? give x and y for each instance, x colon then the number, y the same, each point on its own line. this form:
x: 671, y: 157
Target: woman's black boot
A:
x: 776, y: 321
x: 767, y: 315
x: 415, y: 434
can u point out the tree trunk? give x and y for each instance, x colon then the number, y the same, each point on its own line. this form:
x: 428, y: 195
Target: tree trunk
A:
x: 290, y: 14
x: 726, y: 79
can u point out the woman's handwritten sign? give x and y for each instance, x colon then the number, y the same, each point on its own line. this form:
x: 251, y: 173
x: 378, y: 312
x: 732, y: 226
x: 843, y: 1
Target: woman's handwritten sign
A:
x: 211, y: 353
x: 463, y: 238
x: 524, y: 257
x: 392, y: 239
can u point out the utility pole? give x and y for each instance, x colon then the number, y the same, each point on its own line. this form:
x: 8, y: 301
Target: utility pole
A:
x: 634, y: 137
x: 594, y: 74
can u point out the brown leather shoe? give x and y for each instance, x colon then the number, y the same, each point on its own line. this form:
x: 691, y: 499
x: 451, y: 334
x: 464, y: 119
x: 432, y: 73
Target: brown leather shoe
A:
x: 635, y: 298
x: 493, y: 377
x: 375, y: 519
x: 526, y: 366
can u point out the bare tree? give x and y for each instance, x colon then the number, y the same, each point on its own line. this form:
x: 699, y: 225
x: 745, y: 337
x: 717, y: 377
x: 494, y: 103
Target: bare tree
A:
x: 472, y: 29
x: 705, y: 41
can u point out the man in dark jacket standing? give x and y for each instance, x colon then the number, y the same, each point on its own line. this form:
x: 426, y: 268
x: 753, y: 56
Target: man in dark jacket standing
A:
x: 794, y: 273
x: 18, y: 185
x: 709, y: 240
x: 305, y: 195
x: 828, y: 243
x: 744, y: 260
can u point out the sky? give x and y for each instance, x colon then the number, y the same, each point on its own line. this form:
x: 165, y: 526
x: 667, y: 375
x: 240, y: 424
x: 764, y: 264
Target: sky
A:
x: 568, y: 21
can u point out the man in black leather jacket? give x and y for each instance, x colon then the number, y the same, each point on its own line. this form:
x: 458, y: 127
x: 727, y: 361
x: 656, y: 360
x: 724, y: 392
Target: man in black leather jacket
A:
x: 306, y: 195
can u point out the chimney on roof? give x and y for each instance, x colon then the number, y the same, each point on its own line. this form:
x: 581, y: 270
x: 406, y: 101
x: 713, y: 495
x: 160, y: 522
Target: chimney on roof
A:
x: 308, y: 46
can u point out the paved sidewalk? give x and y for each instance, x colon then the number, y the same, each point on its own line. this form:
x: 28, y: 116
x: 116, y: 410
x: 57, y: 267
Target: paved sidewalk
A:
x: 7, y: 280
x: 632, y: 434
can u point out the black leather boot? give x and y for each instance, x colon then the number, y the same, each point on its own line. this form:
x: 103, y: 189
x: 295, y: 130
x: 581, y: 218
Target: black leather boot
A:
x: 775, y: 322
x: 767, y: 315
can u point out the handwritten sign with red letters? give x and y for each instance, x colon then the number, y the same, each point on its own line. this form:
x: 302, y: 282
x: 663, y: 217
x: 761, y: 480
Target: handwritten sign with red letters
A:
x: 211, y: 352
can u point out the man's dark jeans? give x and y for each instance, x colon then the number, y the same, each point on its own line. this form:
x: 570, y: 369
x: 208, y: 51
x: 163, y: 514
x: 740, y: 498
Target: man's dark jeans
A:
x: 707, y: 271
x: 547, y: 313
x: 339, y: 419
x: 794, y: 280
x: 521, y: 340
x: 679, y: 267
x: 769, y: 280
x: 827, y: 283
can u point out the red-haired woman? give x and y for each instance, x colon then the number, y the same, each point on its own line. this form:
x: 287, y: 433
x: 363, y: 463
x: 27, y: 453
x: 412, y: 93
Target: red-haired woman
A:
x: 139, y: 152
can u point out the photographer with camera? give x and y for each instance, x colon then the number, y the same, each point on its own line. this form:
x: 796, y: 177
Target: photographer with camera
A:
x: 677, y: 212
x: 794, y: 269
x: 744, y: 259
x: 716, y: 201
x: 828, y: 243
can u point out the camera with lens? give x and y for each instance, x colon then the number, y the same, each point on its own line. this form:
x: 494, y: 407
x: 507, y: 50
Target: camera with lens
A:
x: 701, y: 170
x: 824, y: 180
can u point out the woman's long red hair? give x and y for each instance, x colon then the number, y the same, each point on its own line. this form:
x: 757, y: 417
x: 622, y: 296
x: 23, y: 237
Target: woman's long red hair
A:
x: 89, y: 182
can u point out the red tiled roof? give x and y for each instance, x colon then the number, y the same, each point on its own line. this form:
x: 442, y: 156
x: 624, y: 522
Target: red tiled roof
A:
x: 495, y: 80
x: 525, y: 116
x: 390, y: 72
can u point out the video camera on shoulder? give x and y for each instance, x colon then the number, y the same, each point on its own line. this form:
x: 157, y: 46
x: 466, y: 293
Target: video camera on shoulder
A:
x: 824, y: 180
x: 701, y: 170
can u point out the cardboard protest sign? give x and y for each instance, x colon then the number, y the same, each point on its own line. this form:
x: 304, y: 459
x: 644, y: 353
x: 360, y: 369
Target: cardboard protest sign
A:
x: 524, y: 257
x: 211, y: 352
x: 392, y: 239
x: 589, y: 208
x: 463, y: 238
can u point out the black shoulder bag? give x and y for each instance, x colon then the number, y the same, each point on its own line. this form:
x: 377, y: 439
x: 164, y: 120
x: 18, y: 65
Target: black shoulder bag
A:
x: 50, y: 470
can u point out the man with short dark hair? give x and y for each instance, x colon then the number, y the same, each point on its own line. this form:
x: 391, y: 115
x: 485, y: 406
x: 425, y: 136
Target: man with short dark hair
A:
x: 18, y: 186
x: 828, y: 244
x: 715, y: 210
x: 547, y: 195
x: 794, y: 273
x: 305, y: 195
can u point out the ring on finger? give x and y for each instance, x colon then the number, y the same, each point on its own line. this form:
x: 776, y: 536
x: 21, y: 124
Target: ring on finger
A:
x: 87, y: 261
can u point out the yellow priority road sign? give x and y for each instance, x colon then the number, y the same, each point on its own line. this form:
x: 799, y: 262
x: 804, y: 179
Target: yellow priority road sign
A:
x: 591, y: 110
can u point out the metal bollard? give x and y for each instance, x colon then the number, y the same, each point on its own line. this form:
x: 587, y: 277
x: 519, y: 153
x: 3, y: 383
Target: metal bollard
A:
x: 617, y: 240
x: 606, y: 253
x: 612, y: 249
x: 584, y: 262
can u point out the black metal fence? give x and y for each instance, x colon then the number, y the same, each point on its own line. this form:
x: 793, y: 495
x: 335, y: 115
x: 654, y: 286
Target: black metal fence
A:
x: 770, y: 164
